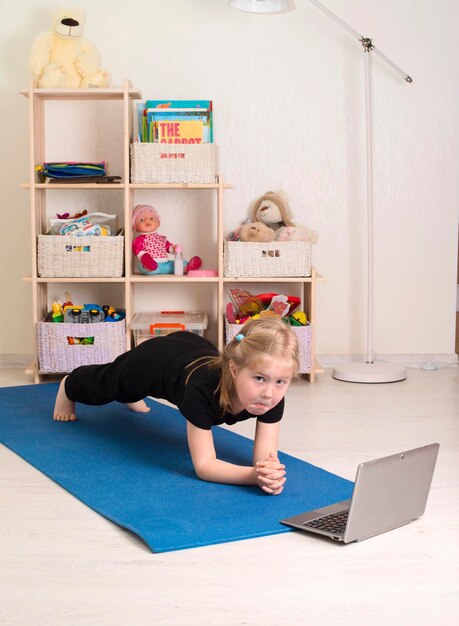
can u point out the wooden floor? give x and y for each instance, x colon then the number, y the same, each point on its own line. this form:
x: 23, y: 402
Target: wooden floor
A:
x: 62, y: 564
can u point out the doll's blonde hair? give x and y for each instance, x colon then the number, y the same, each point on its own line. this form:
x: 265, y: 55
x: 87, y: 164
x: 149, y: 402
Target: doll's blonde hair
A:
x: 257, y: 340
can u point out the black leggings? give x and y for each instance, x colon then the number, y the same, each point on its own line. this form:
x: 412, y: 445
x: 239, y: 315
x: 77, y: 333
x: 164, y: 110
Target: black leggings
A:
x: 156, y: 367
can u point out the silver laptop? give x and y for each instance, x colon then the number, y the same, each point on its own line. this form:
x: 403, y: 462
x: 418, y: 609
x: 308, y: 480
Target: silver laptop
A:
x: 388, y: 493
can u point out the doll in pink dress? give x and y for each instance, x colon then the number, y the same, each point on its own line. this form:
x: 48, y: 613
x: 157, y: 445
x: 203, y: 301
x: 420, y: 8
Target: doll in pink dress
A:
x: 152, y: 249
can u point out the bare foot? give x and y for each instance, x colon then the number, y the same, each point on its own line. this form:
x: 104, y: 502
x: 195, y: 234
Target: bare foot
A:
x: 64, y: 409
x: 138, y: 407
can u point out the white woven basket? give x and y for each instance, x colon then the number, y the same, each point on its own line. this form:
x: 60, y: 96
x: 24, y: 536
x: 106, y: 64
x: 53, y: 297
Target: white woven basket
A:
x: 276, y: 258
x: 56, y: 355
x: 89, y: 256
x: 303, y: 335
x: 173, y: 163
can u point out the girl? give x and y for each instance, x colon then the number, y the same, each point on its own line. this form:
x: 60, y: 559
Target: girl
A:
x: 249, y: 379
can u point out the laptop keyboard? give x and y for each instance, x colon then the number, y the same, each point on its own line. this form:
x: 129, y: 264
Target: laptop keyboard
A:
x: 335, y: 523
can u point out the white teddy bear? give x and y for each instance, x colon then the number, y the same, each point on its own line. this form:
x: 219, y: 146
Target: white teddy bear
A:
x: 63, y: 57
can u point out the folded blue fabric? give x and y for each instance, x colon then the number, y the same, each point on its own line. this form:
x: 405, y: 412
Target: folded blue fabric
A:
x: 135, y: 469
x: 69, y: 169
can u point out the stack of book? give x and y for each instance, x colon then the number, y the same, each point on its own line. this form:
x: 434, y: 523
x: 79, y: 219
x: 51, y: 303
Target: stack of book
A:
x: 175, y: 121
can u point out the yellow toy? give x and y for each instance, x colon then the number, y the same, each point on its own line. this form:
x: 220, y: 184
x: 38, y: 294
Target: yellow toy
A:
x: 64, y: 57
x: 300, y: 317
x: 57, y: 312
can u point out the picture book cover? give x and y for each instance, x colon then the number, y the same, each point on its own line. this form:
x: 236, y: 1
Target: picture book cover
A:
x: 156, y: 121
x: 169, y: 131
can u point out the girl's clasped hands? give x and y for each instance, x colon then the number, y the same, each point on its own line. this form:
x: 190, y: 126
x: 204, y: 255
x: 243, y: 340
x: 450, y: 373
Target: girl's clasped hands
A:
x: 271, y: 475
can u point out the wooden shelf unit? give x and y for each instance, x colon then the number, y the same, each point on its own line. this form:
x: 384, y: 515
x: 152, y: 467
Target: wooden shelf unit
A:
x: 38, y: 191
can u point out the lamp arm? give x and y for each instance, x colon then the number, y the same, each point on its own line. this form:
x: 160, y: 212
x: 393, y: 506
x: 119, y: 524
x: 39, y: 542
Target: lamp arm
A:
x: 336, y: 19
x: 391, y: 64
x: 365, y: 41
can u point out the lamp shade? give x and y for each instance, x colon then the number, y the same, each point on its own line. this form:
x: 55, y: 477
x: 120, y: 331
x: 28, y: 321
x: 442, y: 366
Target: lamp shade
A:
x: 260, y: 6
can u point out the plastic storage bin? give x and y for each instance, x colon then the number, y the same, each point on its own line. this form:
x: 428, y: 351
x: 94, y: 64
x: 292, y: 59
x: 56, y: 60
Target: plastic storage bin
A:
x: 303, y: 335
x: 160, y: 323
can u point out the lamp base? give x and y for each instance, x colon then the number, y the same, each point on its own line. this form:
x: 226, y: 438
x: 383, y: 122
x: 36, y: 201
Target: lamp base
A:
x: 369, y: 372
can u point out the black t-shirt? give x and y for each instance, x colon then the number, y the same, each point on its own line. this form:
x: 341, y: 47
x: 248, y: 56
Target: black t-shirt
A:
x: 199, y: 403
x: 158, y: 368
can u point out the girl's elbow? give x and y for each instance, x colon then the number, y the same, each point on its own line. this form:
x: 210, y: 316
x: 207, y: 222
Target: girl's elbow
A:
x: 200, y: 470
x: 197, y: 471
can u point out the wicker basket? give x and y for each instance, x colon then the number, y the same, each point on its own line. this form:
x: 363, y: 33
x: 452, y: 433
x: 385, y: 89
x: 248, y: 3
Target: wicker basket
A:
x: 277, y: 258
x: 56, y: 355
x: 173, y: 163
x: 88, y: 256
x: 303, y: 335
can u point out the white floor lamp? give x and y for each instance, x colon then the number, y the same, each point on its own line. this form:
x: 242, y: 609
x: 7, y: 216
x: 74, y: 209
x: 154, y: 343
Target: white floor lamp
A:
x: 370, y: 371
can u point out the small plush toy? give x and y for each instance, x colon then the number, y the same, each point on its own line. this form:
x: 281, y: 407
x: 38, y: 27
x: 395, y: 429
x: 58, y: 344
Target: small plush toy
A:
x: 256, y: 231
x: 272, y: 209
x: 296, y: 233
x: 63, y: 57
x: 151, y: 248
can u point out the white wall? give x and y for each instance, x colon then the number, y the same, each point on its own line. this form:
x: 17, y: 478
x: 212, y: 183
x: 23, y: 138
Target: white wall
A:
x: 289, y: 113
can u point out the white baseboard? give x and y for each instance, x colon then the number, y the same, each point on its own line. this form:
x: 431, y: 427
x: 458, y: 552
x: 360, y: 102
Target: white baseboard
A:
x: 15, y: 361
x: 21, y: 361
x: 407, y: 360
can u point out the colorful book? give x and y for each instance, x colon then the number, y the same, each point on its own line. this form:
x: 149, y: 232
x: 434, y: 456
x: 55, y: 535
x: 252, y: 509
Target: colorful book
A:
x: 170, y: 131
x: 152, y: 114
x: 179, y: 104
x: 157, y: 126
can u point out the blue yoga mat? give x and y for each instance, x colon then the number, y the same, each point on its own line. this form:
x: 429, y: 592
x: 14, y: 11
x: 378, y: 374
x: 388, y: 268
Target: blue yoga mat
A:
x: 135, y: 470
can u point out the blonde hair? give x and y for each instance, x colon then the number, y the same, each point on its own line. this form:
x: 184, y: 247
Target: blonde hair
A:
x: 257, y: 340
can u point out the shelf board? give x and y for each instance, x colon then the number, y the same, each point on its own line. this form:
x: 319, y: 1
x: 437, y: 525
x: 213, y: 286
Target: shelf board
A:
x: 122, y: 186
x: 267, y: 279
x: 74, y: 186
x: 171, y: 278
x: 65, y: 279
x: 115, y: 93
x: 178, y: 186
x: 271, y: 279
